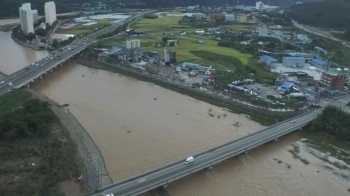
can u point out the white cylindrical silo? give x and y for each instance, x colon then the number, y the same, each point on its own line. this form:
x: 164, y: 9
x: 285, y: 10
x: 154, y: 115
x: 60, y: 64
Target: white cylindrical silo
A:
x: 128, y: 44
x: 133, y: 43
x: 138, y: 43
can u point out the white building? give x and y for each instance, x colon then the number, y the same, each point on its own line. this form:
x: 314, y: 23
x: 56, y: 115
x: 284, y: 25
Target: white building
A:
x: 259, y: 5
x: 304, y: 38
x: 35, y: 16
x: 50, y: 12
x: 230, y: 17
x: 26, y: 18
x: 293, y: 61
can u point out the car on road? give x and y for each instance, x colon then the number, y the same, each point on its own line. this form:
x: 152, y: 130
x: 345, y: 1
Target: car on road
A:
x: 2, y: 82
x: 292, y: 121
x: 110, y: 194
x: 189, y: 160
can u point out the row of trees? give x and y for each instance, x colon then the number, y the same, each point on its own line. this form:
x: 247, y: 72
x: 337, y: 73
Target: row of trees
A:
x: 332, y: 121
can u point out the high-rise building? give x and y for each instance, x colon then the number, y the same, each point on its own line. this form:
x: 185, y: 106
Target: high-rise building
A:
x: 35, y: 16
x: 259, y: 5
x: 50, y: 12
x: 26, y: 18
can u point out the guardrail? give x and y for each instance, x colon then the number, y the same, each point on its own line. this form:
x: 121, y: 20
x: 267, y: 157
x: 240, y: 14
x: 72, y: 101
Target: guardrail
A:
x: 204, y: 152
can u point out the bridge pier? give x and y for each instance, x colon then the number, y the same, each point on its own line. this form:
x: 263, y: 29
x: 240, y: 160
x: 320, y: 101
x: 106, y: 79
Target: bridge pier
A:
x: 28, y: 85
x: 51, y: 70
x: 41, y: 77
x: 60, y: 64
x: 211, y: 167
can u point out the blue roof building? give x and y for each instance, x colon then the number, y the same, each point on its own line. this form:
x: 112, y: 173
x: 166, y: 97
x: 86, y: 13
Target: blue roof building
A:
x: 319, y: 63
x: 268, y: 59
x: 189, y: 65
x: 285, y: 87
x: 319, y: 49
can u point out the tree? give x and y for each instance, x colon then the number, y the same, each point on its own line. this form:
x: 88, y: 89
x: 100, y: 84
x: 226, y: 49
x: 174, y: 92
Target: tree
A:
x: 41, y: 32
x: 31, y: 36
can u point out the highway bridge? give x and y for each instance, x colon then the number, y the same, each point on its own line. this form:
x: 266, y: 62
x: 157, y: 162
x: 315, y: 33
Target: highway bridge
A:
x: 36, y: 70
x: 169, y: 173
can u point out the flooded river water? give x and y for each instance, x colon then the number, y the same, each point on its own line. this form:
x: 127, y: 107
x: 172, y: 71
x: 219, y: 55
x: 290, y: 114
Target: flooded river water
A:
x: 139, y: 126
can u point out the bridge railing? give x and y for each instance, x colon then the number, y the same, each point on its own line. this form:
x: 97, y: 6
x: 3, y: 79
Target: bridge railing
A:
x: 199, y: 154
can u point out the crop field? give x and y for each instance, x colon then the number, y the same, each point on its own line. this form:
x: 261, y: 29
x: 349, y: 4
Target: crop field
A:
x: 156, y: 29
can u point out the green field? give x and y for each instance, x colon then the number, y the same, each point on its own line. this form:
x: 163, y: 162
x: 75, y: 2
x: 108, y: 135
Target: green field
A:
x: 158, y: 28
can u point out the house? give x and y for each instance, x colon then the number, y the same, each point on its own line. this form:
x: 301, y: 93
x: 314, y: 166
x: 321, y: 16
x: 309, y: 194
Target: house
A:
x: 268, y: 59
x: 319, y: 63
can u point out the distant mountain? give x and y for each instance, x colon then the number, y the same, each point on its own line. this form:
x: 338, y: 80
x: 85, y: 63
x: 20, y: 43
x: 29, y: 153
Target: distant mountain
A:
x: 330, y: 14
x: 173, y: 3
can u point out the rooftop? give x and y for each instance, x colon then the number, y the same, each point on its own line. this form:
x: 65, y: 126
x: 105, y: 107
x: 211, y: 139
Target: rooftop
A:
x: 319, y: 62
x: 268, y: 58
x: 287, y: 85
x: 295, y: 58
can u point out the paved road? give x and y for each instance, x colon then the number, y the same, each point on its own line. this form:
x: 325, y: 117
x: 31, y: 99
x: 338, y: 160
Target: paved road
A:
x: 35, y: 70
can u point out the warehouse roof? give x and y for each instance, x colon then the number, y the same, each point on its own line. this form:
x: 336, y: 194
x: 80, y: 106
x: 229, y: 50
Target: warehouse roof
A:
x: 287, y: 85
x: 319, y: 62
x: 294, y: 58
x: 268, y: 58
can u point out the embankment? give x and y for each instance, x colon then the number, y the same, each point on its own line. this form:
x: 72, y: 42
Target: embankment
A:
x: 96, y: 174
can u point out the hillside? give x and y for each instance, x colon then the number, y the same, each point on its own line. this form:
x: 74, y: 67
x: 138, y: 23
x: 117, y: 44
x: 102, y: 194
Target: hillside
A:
x: 9, y: 8
x: 327, y: 14
x: 173, y: 3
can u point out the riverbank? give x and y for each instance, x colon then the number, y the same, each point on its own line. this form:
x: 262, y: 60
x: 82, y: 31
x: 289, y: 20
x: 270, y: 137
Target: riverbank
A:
x: 264, y: 117
x: 26, y: 44
x: 96, y: 174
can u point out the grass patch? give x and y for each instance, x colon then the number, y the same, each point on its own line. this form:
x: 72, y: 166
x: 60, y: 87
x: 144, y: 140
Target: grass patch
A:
x: 12, y: 100
x: 158, y: 28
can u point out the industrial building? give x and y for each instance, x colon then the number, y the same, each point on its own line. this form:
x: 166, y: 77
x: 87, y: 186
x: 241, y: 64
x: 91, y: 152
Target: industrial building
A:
x: 230, y: 17
x: 216, y: 17
x: 268, y: 60
x: 198, y: 15
x: 320, y: 50
x: 50, y: 12
x: 293, y: 61
x: 319, y: 63
x: 26, y: 18
x: 131, y: 52
x: 286, y: 87
x: 169, y: 56
x: 242, y: 18
x: 334, y: 79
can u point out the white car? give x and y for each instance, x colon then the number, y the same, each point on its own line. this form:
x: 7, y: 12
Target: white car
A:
x: 292, y: 121
x: 110, y: 194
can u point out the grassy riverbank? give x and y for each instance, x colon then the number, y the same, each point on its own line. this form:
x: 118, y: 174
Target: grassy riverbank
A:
x: 38, y: 156
x: 262, y: 119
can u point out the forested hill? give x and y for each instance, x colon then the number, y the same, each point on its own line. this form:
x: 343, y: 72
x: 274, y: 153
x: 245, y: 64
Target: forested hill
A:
x: 173, y: 3
x: 9, y: 8
x: 329, y: 14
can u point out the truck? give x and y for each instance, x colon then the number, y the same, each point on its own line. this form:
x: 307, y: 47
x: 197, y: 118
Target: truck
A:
x: 189, y: 160
x: 10, y: 84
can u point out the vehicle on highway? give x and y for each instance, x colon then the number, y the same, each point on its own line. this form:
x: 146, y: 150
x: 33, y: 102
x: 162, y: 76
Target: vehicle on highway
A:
x: 2, y: 82
x: 189, y: 160
x: 292, y: 121
x: 110, y: 194
x: 10, y: 84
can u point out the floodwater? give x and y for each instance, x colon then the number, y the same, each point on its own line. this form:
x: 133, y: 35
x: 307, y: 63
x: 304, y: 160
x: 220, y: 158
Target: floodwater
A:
x: 139, y: 126
x: 14, y: 56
